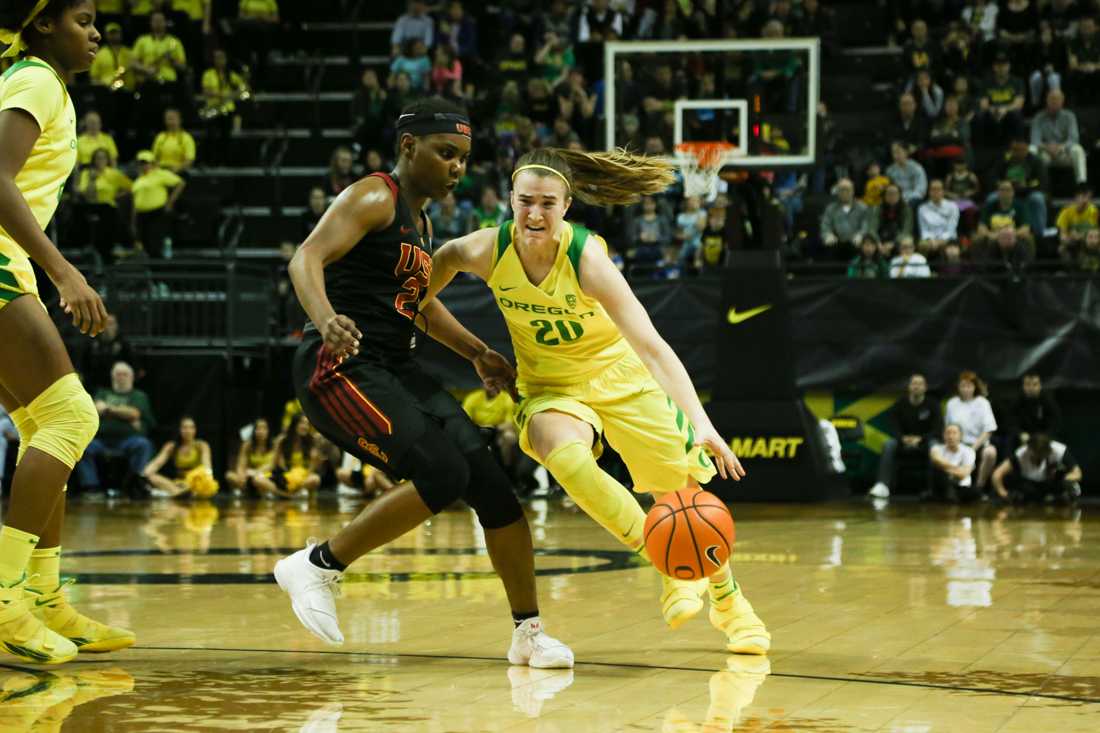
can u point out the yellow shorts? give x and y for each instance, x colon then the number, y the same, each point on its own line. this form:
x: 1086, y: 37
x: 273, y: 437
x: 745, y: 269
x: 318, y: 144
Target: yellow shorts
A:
x: 16, y: 276
x: 627, y: 406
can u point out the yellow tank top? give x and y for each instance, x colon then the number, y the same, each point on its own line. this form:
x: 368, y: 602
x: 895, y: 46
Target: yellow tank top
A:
x: 34, y: 87
x: 298, y: 460
x: 258, y: 460
x: 560, y: 335
x: 188, y: 458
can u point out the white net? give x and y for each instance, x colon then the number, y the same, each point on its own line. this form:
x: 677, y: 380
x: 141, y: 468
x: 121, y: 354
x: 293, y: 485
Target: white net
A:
x: 700, y: 164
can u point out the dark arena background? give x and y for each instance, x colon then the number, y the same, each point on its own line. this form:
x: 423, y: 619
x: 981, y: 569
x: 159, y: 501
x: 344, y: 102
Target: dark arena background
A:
x: 902, y: 196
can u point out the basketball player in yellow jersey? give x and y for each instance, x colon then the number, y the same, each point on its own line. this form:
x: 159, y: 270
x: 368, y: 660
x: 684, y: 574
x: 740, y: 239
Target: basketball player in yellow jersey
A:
x: 590, y: 363
x: 55, y: 417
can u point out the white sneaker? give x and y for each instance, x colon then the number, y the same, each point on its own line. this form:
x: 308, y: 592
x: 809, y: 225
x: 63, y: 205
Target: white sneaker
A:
x: 879, y: 491
x: 535, y: 648
x: 312, y: 592
x: 531, y: 688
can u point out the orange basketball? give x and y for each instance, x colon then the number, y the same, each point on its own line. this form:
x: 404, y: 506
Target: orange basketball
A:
x: 689, y: 534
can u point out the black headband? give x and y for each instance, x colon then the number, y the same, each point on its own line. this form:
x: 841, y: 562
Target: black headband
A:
x: 433, y: 123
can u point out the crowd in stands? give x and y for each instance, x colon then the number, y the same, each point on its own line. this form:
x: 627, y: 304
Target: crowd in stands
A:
x: 965, y: 450
x: 986, y: 98
x: 165, y: 69
x: 985, y: 102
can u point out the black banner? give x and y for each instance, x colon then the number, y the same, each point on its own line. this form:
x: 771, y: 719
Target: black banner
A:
x: 855, y: 334
x: 869, y: 334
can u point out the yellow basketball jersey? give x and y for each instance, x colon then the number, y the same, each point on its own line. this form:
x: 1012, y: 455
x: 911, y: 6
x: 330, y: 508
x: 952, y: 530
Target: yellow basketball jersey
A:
x: 560, y: 335
x: 34, y: 87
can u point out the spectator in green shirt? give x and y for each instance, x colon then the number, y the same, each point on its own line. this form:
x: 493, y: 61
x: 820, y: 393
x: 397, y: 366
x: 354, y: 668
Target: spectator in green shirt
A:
x: 867, y: 264
x: 125, y: 418
x: 1006, y: 211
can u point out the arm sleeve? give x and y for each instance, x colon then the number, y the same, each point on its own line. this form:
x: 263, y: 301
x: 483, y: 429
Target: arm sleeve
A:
x: 1074, y: 133
x: 188, y: 146
x: 36, y: 91
x: 171, y: 179
x: 112, y: 149
x: 1036, y: 138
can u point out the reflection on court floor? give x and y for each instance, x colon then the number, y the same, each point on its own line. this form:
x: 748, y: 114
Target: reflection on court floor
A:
x: 904, y: 619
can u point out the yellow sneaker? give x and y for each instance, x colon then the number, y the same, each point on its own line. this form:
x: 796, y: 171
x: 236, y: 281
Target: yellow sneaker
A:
x: 24, y: 636
x: 681, y: 600
x: 745, y: 632
x: 89, y: 636
x: 26, y: 696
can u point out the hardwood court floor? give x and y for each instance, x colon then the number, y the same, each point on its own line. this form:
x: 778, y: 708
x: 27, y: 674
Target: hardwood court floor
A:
x: 910, y: 619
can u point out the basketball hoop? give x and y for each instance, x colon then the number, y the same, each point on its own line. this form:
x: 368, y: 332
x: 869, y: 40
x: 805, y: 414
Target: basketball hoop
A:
x: 699, y: 163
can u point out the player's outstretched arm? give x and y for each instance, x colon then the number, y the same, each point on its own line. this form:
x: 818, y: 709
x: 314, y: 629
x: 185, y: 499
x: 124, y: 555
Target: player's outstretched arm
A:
x: 471, y: 253
x: 365, y: 206
x: 603, y: 281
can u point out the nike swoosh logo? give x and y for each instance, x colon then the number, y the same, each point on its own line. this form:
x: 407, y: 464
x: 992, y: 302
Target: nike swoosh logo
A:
x: 503, y: 289
x: 734, y: 317
x: 712, y: 554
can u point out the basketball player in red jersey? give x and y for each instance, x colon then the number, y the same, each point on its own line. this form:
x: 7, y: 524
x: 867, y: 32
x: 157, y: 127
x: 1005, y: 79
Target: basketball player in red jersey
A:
x: 361, y: 276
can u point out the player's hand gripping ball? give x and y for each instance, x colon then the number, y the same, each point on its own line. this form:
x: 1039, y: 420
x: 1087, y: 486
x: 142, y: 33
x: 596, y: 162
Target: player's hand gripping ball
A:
x: 689, y: 534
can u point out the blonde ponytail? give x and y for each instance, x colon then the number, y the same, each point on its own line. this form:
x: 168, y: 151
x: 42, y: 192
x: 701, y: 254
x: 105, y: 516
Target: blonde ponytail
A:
x: 605, y: 178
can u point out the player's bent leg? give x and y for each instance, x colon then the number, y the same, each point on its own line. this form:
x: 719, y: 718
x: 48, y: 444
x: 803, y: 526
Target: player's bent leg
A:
x: 310, y: 576
x: 563, y: 443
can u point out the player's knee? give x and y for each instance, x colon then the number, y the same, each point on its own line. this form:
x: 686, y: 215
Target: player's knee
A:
x: 440, y: 478
x: 569, y: 461
x: 550, y: 430
x: 66, y: 420
x: 490, y: 492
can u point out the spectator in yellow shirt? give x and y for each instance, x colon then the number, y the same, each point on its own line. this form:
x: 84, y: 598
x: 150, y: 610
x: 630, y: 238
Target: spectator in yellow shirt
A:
x: 111, y: 67
x: 174, y: 149
x: 100, y: 186
x: 158, y: 55
x: 222, y: 89
x: 155, y: 193
x: 160, y: 67
x: 1075, y: 221
x: 875, y: 186
x: 489, y: 412
x: 102, y: 183
x: 93, y: 138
